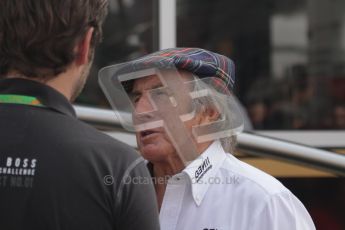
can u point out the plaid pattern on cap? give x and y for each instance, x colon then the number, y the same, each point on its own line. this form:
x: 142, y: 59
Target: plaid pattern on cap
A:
x: 200, y: 62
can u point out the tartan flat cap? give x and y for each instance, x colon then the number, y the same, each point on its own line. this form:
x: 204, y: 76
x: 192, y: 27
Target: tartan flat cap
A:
x: 200, y: 62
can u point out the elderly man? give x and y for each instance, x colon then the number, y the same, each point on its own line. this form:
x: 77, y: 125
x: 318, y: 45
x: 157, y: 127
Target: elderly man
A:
x: 206, y: 187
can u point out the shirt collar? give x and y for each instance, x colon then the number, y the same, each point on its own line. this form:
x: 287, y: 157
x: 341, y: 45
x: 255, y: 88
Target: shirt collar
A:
x: 203, y: 170
x: 48, y: 96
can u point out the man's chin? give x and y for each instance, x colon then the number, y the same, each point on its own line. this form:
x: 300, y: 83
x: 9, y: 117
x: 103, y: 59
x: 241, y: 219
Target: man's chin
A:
x: 152, y: 152
x: 80, y: 84
x: 79, y: 87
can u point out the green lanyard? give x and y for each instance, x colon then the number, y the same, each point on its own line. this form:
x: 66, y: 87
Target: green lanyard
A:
x: 20, y: 99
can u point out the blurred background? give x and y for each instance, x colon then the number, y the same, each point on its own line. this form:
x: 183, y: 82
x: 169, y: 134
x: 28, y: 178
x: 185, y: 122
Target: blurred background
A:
x: 290, y: 72
x: 289, y: 55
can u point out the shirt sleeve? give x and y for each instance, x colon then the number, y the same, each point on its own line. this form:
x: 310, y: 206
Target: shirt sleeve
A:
x: 283, y: 211
x: 137, y: 199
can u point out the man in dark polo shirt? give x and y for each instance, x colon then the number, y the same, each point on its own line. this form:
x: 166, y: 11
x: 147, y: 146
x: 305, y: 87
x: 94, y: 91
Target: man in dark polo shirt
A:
x: 55, y: 171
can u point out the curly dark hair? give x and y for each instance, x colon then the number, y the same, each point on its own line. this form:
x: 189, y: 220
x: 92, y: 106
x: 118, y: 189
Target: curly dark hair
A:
x: 37, y: 37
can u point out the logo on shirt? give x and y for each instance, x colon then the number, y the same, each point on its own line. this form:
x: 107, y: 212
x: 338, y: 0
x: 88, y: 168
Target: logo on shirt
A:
x: 18, y: 172
x: 202, y: 169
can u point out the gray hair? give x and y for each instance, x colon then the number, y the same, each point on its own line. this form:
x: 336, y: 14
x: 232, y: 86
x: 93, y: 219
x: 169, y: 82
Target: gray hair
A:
x: 220, y: 100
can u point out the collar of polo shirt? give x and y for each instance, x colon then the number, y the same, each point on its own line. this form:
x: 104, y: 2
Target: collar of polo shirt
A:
x: 202, y: 171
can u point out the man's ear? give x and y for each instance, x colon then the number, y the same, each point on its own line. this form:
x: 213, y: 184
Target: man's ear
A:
x: 209, y: 114
x: 83, y: 48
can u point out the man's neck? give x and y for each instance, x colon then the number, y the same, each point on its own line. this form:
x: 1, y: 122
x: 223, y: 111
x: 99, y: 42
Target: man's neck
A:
x: 62, y: 83
x: 162, y: 171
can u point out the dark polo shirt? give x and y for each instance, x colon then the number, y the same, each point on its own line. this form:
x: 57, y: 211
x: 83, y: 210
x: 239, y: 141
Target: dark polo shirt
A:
x: 59, y: 173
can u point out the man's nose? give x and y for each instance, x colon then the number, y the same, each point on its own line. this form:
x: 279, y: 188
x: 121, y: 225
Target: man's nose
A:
x: 142, y: 114
x: 143, y: 105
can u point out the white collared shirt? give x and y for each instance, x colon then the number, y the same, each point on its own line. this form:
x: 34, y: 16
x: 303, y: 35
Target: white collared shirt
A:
x: 218, y: 191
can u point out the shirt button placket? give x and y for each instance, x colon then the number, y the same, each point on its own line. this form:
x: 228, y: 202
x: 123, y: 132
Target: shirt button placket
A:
x: 172, y: 203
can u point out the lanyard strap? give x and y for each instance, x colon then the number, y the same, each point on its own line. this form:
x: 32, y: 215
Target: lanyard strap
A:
x: 20, y: 99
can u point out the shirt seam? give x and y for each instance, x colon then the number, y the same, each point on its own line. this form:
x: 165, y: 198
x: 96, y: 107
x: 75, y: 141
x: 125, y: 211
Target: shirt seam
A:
x: 267, y: 200
x: 125, y: 175
x: 127, y: 172
x: 253, y: 181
